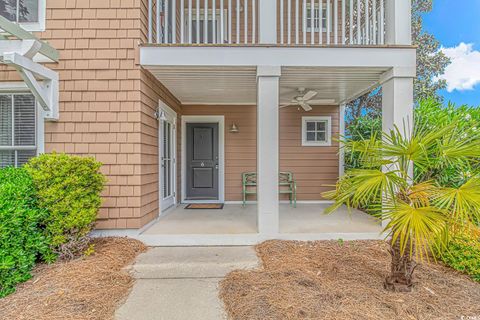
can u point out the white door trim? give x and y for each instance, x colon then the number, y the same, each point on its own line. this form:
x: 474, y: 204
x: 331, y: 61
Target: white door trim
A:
x: 171, y: 114
x: 221, y: 155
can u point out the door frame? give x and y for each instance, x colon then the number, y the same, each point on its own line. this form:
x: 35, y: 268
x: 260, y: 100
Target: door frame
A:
x: 221, y: 155
x: 172, y: 114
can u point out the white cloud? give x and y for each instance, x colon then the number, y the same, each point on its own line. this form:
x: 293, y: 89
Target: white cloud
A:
x: 464, y: 71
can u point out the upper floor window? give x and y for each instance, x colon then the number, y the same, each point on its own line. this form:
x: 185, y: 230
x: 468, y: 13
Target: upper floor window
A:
x: 18, y: 138
x: 316, y: 131
x: 211, y: 37
x: 317, y: 18
x: 30, y: 14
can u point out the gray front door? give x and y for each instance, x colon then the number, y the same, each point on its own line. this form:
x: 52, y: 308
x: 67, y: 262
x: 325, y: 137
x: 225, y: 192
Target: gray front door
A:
x: 202, y: 161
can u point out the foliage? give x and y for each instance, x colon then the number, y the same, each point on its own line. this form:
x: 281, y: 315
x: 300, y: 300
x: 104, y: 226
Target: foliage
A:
x: 463, y: 254
x: 419, y: 213
x: 22, y: 241
x: 69, y: 188
x: 361, y: 128
x: 431, y: 62
x: 431, y: 115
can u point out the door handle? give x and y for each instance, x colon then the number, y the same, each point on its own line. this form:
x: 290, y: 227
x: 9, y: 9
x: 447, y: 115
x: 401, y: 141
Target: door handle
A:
x: 202, y: 164
x: 216, y: 166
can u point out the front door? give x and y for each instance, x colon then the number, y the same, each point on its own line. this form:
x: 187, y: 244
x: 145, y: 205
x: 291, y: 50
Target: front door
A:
x: 202, y: 161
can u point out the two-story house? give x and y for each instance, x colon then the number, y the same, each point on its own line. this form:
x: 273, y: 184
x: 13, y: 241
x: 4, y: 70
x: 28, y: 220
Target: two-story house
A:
x: 178, y: 98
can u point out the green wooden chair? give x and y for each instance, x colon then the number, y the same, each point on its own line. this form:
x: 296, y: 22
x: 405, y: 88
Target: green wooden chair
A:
x: 287, y: 185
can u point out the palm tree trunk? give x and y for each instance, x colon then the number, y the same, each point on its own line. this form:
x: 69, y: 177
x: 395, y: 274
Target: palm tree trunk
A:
x: 401, y: 269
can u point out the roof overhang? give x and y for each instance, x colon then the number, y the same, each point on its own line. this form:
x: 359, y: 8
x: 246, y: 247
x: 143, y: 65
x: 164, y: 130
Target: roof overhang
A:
x: 227, y: 75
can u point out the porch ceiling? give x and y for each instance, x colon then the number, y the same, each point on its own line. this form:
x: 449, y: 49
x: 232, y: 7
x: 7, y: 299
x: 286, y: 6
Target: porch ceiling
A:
x: 237, y: 85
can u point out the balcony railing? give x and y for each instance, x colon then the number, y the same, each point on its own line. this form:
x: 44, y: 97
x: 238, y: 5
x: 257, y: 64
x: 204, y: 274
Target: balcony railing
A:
x: 238, y: 22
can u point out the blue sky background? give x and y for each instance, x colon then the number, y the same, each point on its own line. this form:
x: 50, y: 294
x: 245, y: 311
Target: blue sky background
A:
x: 453, y: 22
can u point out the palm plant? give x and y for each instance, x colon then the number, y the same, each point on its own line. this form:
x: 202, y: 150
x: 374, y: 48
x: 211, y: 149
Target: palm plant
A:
x: 419, y: 215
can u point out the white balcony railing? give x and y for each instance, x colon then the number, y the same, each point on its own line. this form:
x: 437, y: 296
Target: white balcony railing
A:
x: 298, y: 22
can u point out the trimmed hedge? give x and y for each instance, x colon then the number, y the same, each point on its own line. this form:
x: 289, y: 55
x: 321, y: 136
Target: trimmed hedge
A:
x: 69, y: 188
x: 22, y: 241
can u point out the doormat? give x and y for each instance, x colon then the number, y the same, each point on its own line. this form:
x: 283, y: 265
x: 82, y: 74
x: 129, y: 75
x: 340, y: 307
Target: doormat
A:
x: 204, y: 206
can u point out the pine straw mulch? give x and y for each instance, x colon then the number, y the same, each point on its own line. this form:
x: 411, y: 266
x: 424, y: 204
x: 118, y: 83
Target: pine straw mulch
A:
x: 333, y: 280
x: 86, y: 288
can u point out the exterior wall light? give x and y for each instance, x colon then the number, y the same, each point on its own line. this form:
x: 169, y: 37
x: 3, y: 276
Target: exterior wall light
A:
x: 234, y: 128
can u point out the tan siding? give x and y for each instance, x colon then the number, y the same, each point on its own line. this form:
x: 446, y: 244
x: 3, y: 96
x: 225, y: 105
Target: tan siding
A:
x: 106, y: 102
x: 240, y: 148
x: 313, y: 167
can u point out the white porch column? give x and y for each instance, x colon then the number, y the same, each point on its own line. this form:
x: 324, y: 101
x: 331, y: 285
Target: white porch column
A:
x: 268, y: 149
x: 397, y: 108
x: 398, y: 18
x: 341, y: 154
x: 267, y: 17
x: 397, y: 104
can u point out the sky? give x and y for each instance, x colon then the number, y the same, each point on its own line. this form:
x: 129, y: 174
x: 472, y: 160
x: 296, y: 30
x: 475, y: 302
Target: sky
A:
x: 456, y: 24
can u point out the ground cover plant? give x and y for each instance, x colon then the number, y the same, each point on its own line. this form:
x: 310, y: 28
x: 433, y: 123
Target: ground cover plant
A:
x: 422, y: 211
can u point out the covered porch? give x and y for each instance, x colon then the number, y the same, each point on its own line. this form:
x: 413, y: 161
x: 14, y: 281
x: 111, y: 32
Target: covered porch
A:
x: 265, y: 92
x: 236, y: 224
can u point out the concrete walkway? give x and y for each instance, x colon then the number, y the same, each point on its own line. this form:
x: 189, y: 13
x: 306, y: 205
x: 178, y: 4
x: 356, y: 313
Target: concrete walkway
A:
x: 181, y: 283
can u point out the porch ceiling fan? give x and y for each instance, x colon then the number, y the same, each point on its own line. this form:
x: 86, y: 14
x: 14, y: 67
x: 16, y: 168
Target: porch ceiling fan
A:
x: 303, y: 99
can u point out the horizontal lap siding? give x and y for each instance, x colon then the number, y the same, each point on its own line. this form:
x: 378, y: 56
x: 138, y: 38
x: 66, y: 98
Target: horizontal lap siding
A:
x: 313, y: 167
x: 240, y: 148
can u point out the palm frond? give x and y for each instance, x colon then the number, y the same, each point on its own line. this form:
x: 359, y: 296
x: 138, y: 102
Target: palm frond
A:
x: 462, y: 202
x: 359, y: 188
x: 418, y: 227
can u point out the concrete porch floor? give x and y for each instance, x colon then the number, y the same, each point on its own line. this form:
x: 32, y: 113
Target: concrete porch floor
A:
x: 234, y: 219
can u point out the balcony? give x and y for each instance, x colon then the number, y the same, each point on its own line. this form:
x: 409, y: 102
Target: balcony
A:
x: 277, y: 22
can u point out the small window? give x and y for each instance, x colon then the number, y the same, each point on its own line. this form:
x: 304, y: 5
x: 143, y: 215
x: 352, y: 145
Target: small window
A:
x: 30, y: 14
x: 316, y: 17
x: 201, y: 23
x: 316, y: 131
x: 18, y: 142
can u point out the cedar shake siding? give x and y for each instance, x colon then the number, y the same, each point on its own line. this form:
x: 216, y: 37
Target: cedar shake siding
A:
x: 106, y: 101
x: 107, y: 104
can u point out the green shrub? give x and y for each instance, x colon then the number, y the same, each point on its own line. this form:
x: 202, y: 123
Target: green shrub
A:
x: 463, y: 254
x: 69, y: 188
x: 22, y: 241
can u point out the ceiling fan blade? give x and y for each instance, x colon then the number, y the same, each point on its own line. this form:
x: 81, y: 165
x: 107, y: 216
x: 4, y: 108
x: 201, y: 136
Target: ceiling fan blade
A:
x: 309, y: 95
x: 305, y: 106
x: 321, y: 101
x: 286, y: 105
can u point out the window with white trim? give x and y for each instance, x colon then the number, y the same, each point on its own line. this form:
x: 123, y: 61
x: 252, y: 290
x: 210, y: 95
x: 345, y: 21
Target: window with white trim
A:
x: 18, y: 138
x: 30, y: 14
x: 316, y: 131
x: 201, y: 22
x: 316, y: 17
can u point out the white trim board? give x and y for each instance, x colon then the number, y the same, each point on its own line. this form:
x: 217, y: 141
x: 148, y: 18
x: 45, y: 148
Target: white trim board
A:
x: 346, y: 57
x: 21, y: 87
x: 173, y: 117
x: 221, y: 155
x: 232, y: 239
